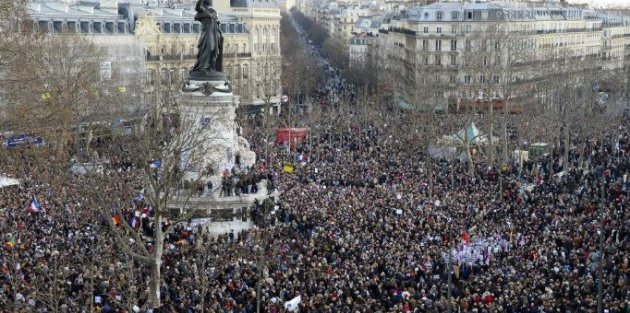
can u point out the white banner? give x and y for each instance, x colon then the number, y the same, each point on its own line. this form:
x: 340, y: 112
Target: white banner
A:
x: 293, y: 304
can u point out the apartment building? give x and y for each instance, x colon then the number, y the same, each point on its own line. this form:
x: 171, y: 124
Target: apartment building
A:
x: 480, y: 51
x: 358, y: 51
x: 616, y: 39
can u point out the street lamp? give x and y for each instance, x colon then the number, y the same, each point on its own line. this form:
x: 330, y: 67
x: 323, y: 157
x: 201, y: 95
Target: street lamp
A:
x: 450, y: 263
x: 600, y: 266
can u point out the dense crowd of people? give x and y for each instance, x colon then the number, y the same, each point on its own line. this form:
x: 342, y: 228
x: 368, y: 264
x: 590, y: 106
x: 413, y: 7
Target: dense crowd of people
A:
x: 367, y: 223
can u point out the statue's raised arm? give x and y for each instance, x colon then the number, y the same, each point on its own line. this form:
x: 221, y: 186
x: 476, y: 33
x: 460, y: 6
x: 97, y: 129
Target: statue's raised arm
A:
x: 199, y: 6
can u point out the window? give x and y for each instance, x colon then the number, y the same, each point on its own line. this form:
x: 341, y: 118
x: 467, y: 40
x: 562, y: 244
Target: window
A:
x: 97, y: 29
x: 468, y: 29
x: 485, y: 61
x: 453, y: 60
x: 438, y: 15
x: 469, y: 15
x: 454, y: 15
x: 425, y: 45
x: 438, y: 45
x: 496, y: 79
x: 451, y: 79
x: 482, y: 79
x: 466, y: 79
x: 497, y: 45
x: 453, y: 44
x: 438, y: 59
x: 439, y: 30
x: 245, y: 72
x: 468, y: 45
x: 425, y: 60
x: 454, y: 29
x: 426, y: 29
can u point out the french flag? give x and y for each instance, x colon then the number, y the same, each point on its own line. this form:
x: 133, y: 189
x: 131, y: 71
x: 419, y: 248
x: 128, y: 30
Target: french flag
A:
x: 134, y: 222
x: 34, y: 206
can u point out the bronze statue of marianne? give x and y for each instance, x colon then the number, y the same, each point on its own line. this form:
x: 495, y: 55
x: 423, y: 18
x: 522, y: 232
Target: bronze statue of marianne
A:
x: 210, y: 48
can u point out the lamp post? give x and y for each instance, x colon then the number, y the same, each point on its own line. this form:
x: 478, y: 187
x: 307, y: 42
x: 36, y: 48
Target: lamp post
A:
x: 600, y: 233
x: 258, y: 283
x: 600, y: 266
x: 449, y: 306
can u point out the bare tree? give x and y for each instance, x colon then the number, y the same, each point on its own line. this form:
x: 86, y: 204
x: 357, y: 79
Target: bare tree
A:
x: 57, y: 91
x: 172, y: 148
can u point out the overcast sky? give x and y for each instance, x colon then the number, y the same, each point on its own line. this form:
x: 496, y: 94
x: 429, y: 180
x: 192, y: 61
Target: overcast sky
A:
x: 598, y: 3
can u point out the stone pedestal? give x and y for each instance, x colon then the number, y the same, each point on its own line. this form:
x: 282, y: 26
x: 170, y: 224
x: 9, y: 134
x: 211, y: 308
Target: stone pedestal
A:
x: 211, y: 106
x: 209, y: 109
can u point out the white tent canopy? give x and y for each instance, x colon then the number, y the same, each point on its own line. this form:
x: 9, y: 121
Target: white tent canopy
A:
x: 471, y: 134
x: 7, y: 181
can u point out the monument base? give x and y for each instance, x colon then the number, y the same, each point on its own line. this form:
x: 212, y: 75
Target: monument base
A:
x: 210, y: 106
x: 206, y: 76
x: 206, y: 87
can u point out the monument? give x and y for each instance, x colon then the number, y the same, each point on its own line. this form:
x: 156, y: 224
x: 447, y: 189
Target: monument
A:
x: 207, y: 73
x: 206, y: 101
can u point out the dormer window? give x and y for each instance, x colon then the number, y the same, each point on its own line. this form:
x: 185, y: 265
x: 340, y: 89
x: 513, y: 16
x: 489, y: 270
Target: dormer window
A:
x: 454, y: 15
x: 426, y: 15
x: 438, y: 15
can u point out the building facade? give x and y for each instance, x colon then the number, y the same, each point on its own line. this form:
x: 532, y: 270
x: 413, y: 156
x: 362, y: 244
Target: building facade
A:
x: 358, y: 51
x: 486, y: 51
x: 167, y: 38
x: 453, y: 52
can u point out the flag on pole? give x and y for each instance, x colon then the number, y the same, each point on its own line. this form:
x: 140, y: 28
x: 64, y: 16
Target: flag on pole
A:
x: 139, y: 197
x: 293, y: 304
x: 116, y: 219
x: 10, y: 244
x: 155, y: 164
x: 34, y: 207
x: 466, y: 237
x: 134, y: 222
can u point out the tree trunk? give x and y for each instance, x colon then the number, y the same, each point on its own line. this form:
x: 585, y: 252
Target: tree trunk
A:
x: 506, y: 154
x: 154, y: 287
x: 471, y: 165
x: 567, y: 144
x: 491, y: 134
x: 430, y: 174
